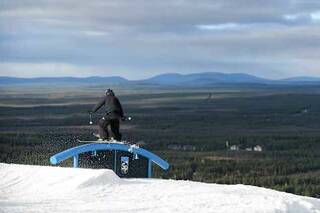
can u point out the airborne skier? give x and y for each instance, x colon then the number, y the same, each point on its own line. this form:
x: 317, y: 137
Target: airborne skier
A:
x: 113, y: 114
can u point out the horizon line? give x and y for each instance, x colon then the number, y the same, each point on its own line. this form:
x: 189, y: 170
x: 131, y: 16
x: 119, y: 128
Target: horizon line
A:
x: 183, y: 74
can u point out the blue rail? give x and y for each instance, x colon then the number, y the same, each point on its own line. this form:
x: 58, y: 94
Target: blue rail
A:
x: 75, y: 151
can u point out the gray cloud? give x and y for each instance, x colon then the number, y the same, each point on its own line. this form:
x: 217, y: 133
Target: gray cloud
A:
x: 141, y: 38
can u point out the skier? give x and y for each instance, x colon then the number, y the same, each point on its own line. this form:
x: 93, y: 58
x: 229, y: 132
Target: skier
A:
x: 113, y: 114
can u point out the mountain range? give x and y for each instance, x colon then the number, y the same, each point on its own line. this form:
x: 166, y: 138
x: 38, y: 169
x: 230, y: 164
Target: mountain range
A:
x: 169, y: 79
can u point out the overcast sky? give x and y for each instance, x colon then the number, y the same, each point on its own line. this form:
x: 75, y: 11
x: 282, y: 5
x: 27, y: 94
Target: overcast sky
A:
x: 141, y: 38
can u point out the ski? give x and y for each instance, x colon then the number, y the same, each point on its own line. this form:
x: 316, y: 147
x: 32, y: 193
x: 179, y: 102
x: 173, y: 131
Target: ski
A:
x: 104, y: 141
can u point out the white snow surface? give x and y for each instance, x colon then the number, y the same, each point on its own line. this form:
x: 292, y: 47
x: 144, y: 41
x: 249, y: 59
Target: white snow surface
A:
x: 25, y: 188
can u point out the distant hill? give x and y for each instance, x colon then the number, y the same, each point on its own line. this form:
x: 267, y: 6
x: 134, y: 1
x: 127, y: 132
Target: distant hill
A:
x: 302, y: 79
x: 204, y: 79
x: 63, y: 80
x: 169, y: 79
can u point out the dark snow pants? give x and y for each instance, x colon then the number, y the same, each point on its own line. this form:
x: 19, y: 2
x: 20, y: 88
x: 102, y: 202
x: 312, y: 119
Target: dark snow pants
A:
x: 114, y: 124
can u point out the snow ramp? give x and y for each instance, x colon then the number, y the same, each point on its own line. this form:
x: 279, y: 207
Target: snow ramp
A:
x: 26, y: 188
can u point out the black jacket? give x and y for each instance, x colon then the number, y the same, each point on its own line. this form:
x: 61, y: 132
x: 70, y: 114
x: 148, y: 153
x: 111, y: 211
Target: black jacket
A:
x: 112, y: 105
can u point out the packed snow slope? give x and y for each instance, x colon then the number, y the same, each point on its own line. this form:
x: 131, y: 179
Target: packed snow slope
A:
x: 25, y: 188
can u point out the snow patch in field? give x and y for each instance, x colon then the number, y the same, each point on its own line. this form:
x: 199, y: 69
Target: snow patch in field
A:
x: 25, y: 188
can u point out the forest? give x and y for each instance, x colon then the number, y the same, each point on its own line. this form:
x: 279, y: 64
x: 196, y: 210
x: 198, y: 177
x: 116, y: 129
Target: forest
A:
x: 206, y: 134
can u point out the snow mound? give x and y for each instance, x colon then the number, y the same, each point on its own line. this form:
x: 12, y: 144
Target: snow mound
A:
x: 27, y: 178
x: 25, y: 188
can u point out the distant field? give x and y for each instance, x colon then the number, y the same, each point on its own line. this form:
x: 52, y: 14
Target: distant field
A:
x: 36, y: 122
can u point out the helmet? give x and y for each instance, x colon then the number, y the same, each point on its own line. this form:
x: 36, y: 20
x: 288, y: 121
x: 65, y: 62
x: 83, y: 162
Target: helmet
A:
x: 109, y: 92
